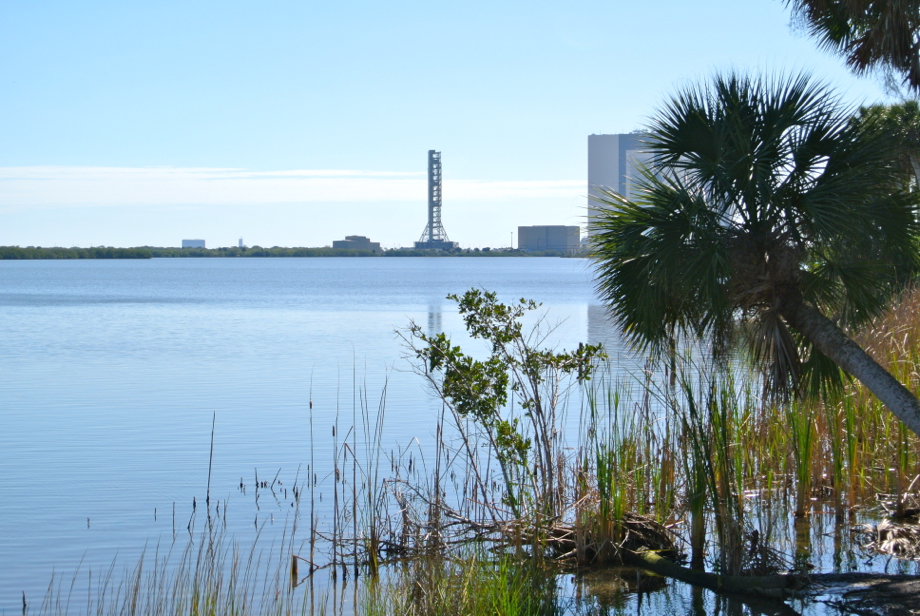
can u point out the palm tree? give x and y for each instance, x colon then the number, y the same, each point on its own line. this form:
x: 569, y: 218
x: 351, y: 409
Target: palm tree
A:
x: 765, y: 217
x: 870, y: 34
x: 902, y: 121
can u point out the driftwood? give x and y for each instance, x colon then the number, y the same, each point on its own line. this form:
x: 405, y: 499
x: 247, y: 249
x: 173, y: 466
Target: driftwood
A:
x: 878, y: 594
x: 772, y: 586
x: 891, y: 538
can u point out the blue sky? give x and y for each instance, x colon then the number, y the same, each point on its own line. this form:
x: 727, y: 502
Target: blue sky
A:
x: 296, y: 123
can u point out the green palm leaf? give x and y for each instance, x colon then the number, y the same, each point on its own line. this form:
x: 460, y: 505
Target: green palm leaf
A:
x: 761, y: 196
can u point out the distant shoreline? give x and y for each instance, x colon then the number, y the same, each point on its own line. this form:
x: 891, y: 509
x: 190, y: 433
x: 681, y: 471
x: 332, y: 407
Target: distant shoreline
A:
x: 153, y: 252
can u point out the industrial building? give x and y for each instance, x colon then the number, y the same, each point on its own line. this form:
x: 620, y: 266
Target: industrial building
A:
x: 612, y: 164
x: 193, y: 244
x: 434, y: 237
x: 560, y: 238
x: 357, y: 242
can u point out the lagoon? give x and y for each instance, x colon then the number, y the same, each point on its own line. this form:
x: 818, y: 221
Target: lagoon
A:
x: 111, y: 373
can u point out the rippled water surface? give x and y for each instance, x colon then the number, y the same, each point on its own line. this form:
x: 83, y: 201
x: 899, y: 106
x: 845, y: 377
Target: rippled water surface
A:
x: 110, y: 373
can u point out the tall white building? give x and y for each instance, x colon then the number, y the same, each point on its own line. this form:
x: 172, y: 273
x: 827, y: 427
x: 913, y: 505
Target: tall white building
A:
x: 612, y: 161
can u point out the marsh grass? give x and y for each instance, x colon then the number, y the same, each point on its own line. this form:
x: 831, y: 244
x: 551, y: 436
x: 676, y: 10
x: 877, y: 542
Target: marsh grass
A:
x: 694, y: 448
x: 473, y: 583
x: 208, y: 575
x: 691, y: 457
x: 744, y: 462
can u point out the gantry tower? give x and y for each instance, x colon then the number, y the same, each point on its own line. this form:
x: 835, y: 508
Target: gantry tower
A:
x: 434, y: 235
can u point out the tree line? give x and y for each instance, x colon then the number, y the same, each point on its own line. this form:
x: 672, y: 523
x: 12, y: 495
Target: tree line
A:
x: 153, y: 252
x: 101, y: 252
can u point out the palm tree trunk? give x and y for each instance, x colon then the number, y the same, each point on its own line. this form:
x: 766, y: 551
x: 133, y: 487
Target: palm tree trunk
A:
x: 915, y: 165
x: 843, y: 351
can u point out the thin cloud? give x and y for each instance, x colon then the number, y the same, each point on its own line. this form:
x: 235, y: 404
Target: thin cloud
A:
x: 124, y: 186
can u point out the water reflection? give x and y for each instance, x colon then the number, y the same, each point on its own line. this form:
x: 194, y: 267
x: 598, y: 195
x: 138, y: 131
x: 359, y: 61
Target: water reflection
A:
x: 802, y: 553
x: 434, y: 319
x: 602, y: 330
x: 625, y: 590
x: 611, y: 587
x: 623, y: 359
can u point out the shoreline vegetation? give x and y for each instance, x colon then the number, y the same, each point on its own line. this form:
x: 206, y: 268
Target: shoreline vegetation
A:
x: 154, y: 252
x: 686, y: 471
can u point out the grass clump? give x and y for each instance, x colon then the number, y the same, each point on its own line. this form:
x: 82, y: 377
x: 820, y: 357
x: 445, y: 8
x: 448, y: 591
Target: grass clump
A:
x: 473, y: 584
x: 209, y: 575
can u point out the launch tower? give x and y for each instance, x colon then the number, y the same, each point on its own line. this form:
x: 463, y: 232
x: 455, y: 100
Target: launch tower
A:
x: 434, y: 236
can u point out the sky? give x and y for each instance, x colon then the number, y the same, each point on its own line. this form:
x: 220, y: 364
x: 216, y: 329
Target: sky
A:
x: 296, y: 123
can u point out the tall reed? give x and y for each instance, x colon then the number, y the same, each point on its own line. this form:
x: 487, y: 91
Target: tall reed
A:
x: 210, y: 575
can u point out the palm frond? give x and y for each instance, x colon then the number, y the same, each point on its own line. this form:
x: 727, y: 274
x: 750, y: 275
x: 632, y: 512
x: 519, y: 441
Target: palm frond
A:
x: 663, y: 266
x: 774, y: 351
x: 759, y: 193
x: 869, y: 34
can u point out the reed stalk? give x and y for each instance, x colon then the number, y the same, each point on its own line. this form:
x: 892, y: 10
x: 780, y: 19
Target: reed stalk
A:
x: 694, y: 442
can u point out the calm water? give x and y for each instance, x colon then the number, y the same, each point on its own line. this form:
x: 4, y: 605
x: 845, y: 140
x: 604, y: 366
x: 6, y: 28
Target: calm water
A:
x: 110, y: 372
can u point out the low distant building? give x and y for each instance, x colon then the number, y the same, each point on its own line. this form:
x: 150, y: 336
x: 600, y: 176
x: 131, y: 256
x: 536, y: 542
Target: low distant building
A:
x: 357, y: 242
x: 193, y: 244
x: 559, y: 238
x: 436, y: 245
